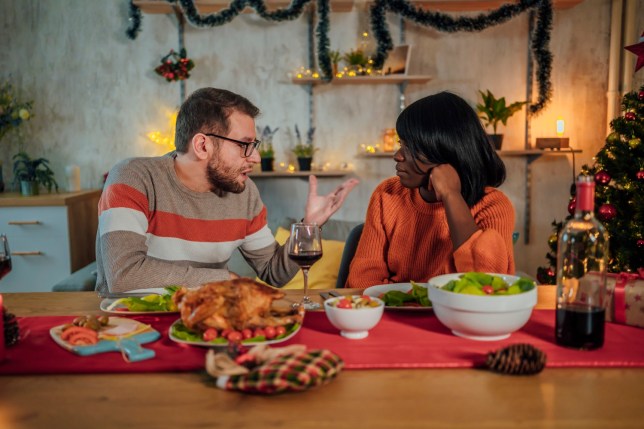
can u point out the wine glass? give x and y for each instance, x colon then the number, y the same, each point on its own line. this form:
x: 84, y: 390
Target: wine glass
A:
x: 5, y: 256
x: 305, y: 248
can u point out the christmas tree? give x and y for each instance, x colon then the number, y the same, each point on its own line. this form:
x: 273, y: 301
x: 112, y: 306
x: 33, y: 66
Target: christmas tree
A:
x: 619, y: 192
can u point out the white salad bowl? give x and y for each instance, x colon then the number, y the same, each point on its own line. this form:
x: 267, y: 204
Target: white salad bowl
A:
x: 481, y: 317
x: 354, y: 323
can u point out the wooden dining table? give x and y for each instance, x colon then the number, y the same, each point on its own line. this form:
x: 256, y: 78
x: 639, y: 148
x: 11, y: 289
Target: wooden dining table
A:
x: 377, y: 398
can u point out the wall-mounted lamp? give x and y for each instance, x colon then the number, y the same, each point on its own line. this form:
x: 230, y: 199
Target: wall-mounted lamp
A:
x: 554, y: 142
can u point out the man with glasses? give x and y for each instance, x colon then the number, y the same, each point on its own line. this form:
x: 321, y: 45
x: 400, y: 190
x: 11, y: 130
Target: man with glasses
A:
x: 176, y: 219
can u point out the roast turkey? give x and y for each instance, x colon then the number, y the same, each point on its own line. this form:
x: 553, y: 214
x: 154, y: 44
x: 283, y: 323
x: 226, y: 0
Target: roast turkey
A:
x: 232, y: 304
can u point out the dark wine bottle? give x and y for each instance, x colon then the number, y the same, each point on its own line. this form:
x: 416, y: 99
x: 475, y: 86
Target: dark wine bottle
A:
x: 582, y: 256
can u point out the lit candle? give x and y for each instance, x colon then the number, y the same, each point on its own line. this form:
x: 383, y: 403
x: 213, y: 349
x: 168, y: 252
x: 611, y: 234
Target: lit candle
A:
x: 560, y: 127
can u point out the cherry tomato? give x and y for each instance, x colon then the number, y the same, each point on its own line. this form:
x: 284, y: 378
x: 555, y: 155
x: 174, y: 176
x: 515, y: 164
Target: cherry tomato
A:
x: 488, y: 289
x: 259, y: 332
x: 280, y: 330
x: 270, y: 332
x: 366, y: 297
x: 210, y: 334
x: 247, y: 333
x: 225, y: 332
x: 344, y: 303
x: 235, y: 337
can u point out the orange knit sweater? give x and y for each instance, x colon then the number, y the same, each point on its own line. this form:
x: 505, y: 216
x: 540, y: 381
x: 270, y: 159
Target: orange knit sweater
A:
x: 405, y: 238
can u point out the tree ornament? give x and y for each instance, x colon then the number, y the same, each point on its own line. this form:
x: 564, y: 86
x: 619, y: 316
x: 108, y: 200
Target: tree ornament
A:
x: 640, y: 243
x: 552, y: 242
x: 640, y: 96
x: 602, y: 177
x: 633, y: 143
x: 606, y: 212
x: 629, y: 116
x: 572, y: 205
x: 640, y: 175
x: 613, y: 137
x: 517, y: 359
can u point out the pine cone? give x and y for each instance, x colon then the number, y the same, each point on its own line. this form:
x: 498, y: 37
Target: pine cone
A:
x: 516, y: 359
x: 11, y: 329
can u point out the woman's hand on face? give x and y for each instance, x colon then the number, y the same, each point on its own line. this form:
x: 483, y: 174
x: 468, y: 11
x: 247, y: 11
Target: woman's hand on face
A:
x: 444, y: 181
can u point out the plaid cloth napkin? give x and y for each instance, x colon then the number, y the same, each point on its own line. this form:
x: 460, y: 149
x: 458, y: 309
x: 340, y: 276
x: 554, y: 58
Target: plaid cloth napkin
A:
x: 278, y: 370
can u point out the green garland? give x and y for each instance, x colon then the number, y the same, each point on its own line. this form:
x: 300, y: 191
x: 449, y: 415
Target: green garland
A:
x: 135, y: 21
x: 439, y: 21
x: 449, y: 24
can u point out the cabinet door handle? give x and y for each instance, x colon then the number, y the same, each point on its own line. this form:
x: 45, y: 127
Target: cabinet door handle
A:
x: 24, y: 222
x: 30, y: 253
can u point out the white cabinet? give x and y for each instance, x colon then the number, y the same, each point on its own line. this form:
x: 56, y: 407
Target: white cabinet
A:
x: 50, y: 236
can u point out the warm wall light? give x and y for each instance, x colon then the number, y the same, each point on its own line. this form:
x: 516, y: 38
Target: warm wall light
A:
x: 165, y: 139
x: 554, y: 142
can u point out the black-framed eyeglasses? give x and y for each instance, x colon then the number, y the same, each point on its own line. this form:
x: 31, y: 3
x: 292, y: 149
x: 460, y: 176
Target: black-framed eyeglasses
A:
x: 247, y: 147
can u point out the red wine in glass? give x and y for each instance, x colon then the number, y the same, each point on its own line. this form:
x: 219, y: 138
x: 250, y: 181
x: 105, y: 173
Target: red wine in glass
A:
x: 306, y: 258
x: 305, y: 248
x: 5, y: 256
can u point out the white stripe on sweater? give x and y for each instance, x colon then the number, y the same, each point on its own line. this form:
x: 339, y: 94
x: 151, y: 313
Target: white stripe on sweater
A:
x: 122, y: 219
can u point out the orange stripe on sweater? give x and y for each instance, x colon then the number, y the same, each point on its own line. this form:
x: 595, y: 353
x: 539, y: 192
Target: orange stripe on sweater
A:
x: 164, y: 224
x: 122, y: 196
x: 257, y: 222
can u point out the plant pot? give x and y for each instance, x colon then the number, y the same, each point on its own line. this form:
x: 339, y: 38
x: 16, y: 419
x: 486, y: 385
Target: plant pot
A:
x: 267, y: 164
x: 496, y: 140
x: 304, y: 163
x: 28, y: 188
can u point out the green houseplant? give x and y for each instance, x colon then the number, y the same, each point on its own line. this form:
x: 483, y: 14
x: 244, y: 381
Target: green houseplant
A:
x: 31, y: 173
x: 304, y: 151
x: 493, y: 111
x: 266, y: 151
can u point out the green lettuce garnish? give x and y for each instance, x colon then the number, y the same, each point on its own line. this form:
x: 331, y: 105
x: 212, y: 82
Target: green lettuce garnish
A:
x: 152, y: 302
x: 417, y: 294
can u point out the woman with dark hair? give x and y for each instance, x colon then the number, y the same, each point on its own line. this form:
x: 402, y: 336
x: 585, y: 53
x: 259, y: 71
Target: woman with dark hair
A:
x: 442, y: 213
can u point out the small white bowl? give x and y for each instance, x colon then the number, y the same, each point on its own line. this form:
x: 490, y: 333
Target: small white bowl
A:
x: 481, y: 317
x: 354, y: 323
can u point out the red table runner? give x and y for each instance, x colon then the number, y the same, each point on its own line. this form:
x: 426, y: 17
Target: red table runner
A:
x: 401, y: 340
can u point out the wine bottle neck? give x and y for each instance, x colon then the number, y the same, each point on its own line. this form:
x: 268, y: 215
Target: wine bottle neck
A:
x: 585, y: 197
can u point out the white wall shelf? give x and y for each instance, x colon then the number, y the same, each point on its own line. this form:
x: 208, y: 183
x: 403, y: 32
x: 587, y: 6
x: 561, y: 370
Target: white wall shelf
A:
x: 298, y: 174
x: 365, y: 80
x: 212, y: 6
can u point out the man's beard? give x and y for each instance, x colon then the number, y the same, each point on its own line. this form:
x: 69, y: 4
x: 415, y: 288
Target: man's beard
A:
x: 223, y: 180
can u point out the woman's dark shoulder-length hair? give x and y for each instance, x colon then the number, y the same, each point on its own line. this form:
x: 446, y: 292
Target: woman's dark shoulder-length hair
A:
x: 444, y: 129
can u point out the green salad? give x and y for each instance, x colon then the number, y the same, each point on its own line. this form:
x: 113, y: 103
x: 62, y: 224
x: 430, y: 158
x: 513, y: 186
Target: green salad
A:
x: 416, y: 296
x: 487, y: 284
x: 152, y: 302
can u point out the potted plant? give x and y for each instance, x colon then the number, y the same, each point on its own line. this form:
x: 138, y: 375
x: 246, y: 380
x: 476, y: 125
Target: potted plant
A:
x: 357, y: 61
x: 31, y: 173
x: 304, y: 151
x: 335, y: 58
x: 266, y: 151
x: 493, y: 111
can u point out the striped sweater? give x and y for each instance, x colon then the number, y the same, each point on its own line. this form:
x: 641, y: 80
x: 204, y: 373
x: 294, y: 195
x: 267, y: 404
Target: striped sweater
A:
x: 405, y: 238
x: 154, y: 232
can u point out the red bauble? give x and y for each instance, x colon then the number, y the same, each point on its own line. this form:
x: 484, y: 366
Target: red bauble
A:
x: 640, y: 243
x: 640, y: 95
x: 571, y: 206
x: 606, y: 212
x: 629, y: 116
x: 602, y: 177
x: 640, y: 175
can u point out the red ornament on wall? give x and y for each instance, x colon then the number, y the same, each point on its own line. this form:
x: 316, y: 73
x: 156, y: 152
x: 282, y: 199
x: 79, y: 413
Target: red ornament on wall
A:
x: 606, y: 212
x: 640, y: 95
x: 640, y: 243
x: 629, y: 116
x: 602, y: 177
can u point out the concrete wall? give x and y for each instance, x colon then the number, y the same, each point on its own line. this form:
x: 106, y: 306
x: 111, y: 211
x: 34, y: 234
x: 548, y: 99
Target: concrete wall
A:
x: 96, y: 95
